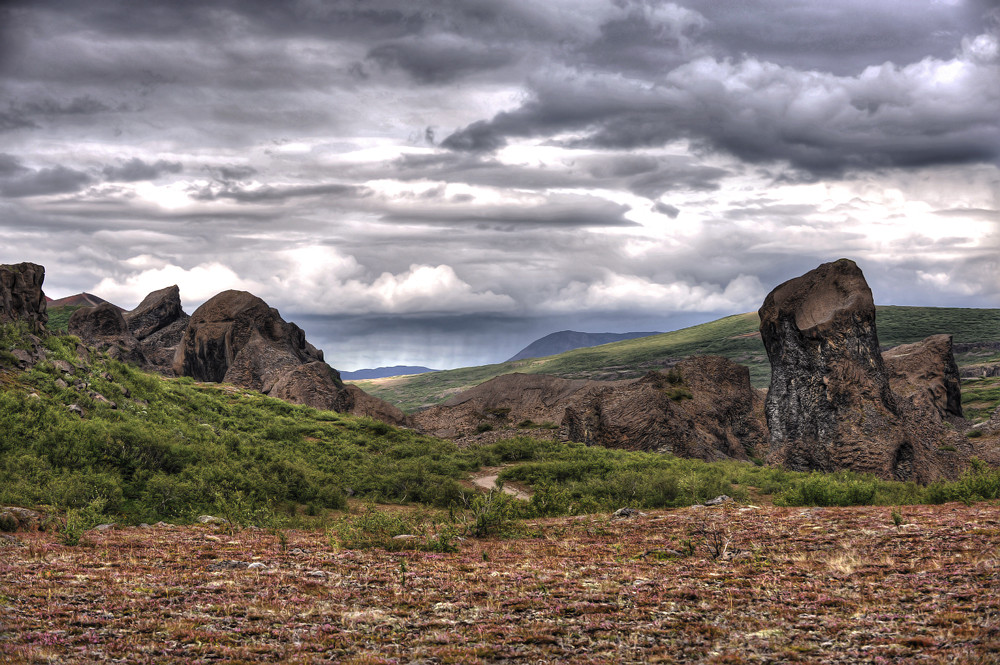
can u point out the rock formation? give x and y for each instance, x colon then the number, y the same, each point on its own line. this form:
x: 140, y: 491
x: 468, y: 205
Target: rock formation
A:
x: 830, y: 405
x: 704, y: 407
x: 104, y: 328
x: 237, y: 338
x: 158, y: 323
x: 925, y: 373
x: 21, y: 296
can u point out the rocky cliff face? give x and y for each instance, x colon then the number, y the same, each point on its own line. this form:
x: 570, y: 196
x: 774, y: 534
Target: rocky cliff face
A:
x: 21, y: 296
x: 158, y: 323
x: 235, y: 337
x: 704, y: 407
x: 830, y: 405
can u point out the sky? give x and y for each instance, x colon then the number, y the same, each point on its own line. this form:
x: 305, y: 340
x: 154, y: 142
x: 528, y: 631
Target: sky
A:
x: 440, y: 183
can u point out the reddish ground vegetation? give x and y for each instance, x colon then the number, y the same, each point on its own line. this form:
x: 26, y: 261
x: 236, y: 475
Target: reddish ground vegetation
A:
x: 814, y: 585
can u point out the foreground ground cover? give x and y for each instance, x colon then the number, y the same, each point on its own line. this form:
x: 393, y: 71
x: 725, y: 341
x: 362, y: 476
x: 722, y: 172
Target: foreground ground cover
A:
x: 729, y: 585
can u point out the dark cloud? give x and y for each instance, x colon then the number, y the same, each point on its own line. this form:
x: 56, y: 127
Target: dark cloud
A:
x: 437, y: 61
x: 666, y: 209
x: 561, y: 212
x: 10, y: 165
x: 56, y: 180
x: 136, y: 169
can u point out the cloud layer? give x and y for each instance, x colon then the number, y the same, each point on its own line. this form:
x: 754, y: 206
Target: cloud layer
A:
x: 440, y: 183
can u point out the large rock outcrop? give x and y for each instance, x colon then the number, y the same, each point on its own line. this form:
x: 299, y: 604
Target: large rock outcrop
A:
x: 925, y: 373
x: 21, y: 296
x: 158, y: 323
x: 830, y: 405
x: 237, y: 338
x: 104, y: 328
x: 704, y: 407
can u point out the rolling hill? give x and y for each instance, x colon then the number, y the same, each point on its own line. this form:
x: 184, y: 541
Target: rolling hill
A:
x: 567, y: 340
x: 976, y: 333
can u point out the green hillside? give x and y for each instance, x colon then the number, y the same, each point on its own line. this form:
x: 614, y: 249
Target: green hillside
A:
x: 734, y: 337
x: 59, y: 317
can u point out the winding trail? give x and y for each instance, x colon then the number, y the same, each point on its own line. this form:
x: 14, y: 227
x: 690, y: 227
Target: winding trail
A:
x: 486, y: 478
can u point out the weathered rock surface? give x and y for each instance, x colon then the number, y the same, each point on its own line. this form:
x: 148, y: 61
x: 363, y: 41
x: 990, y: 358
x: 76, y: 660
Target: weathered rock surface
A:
x: 925, y: 373
x: 237, y: 338
x: 104, y: 328
x: 704, y: 407
x: 159, y: 323
x: 21, y: 296
x: 830, y: 405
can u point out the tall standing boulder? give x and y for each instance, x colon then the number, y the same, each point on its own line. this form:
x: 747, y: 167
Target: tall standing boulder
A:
x: 159, y: 323
x: 830, y: 405
x: 21, y: 296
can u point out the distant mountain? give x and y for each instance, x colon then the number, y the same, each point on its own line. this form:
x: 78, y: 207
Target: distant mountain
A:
x: 567, y: 340
x: 382, y: 372
x: 78, y: 300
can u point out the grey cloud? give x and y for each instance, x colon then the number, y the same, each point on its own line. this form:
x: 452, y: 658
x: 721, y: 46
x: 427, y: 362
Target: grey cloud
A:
x: 10, y: 165
x: 278, y: 194
x: 439, y: 61
x: 136, y: 169
x: 666, y: 209
x: 560, y: 212
x: 56, y: 180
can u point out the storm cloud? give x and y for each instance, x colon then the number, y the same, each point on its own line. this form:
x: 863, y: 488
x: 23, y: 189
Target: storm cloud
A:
x: 440, y: 183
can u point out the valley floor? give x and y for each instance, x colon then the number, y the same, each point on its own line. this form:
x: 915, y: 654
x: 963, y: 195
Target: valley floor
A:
x: 827, y: 585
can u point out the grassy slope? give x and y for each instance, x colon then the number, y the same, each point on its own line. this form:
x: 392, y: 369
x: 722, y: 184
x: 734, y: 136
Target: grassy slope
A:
x: 734, y: 337
x: 59, y: 317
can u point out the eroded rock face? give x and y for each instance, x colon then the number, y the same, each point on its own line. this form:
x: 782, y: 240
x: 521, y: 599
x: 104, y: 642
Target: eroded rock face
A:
x: 925, y: 372
x: 237, y: 338
x: 830, y: 405
x: 21, y: 296
x: 159, y: 323
x: 104, y: 328
x: 704, y: 407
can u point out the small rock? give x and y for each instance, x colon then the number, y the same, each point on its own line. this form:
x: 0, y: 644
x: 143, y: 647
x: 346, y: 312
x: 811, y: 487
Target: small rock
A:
x: 76, y: 408
x: 719, y: 500
x: 104, y: 527
x: 626, y: 513
x: 34, y: 396
x: 107, y: 376
x: 226, y: 564
x: 211, y: 519
x: 256, y: 565
x: 405, y: 536
x: 98, y: 397
x: 63, y: 366
x: 161, y: 525
x: 62, y: 385
x: 145, y: 526
x: 316, y: 573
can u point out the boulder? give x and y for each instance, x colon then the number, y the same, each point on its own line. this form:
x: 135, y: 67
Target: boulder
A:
x: 104, y: 328
x: 830, y: 405
x: 21, y: 296
x: 925, y: 372
x: 237, y: 338
x: 159, y: 323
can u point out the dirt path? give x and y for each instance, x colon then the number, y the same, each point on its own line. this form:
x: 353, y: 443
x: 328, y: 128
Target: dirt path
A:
x: 487, y: 478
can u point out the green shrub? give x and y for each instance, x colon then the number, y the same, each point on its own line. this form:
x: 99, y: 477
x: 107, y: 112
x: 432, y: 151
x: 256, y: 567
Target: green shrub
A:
x: 82, y: 520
